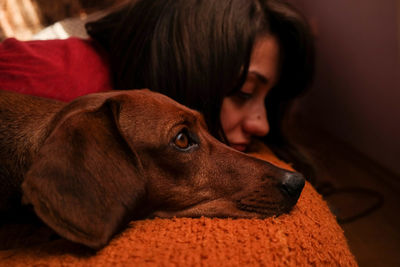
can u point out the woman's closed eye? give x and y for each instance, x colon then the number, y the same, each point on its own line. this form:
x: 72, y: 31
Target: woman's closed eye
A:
x: 248, y: 89
x: 246, y: 92
x: 244, y: 95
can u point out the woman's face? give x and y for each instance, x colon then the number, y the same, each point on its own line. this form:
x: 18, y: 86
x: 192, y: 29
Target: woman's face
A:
x: 243, y: 115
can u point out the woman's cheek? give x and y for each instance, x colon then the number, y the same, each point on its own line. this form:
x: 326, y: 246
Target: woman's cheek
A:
x: 230, y: 115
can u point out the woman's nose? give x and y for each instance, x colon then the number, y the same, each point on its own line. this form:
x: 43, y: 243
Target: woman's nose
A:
x: 256, y: 124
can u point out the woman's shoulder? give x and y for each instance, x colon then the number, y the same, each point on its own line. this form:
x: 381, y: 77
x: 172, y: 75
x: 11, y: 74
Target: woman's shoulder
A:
x: 61, y: 69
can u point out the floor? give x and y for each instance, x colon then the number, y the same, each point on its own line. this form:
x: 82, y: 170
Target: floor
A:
x: 358, y: 184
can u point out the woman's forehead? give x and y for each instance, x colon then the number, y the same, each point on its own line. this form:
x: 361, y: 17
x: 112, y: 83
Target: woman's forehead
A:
x: 264, y: 61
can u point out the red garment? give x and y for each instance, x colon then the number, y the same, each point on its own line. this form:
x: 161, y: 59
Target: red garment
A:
x: 59, y: 69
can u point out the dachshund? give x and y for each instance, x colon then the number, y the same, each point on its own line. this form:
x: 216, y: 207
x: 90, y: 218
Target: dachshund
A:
x: 88, y: 167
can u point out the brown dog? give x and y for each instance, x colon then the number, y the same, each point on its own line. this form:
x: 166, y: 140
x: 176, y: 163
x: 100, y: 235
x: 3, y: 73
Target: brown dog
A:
x: 91, y: 166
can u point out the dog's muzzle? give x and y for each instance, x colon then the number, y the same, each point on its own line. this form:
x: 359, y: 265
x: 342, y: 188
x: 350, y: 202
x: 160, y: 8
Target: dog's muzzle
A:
x: 263, y: 200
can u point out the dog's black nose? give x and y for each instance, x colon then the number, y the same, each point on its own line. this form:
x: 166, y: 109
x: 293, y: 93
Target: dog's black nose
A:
x: 292, y: 184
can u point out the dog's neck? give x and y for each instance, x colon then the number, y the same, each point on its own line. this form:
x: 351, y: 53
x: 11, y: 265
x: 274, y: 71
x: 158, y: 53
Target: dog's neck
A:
x: 24, y: 124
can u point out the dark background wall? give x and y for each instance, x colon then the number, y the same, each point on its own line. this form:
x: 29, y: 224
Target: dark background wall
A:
x: 356, y: 93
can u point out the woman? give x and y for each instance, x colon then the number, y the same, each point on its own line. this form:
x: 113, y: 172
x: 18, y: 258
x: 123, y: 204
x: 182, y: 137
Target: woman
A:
x: 231, y: 60
x: 239, y: 62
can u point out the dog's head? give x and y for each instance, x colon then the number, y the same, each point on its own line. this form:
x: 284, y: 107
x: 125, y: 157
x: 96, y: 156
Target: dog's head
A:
x: 116, y: 156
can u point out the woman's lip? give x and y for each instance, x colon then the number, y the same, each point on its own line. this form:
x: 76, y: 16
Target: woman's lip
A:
x: 240, y: 147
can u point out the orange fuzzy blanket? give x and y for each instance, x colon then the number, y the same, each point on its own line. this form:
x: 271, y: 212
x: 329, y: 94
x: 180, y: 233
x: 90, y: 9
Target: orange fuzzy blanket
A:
x: 308, y: 236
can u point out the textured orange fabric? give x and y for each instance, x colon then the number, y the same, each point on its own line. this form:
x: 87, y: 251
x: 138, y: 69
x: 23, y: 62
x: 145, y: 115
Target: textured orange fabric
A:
x: 308, y: 236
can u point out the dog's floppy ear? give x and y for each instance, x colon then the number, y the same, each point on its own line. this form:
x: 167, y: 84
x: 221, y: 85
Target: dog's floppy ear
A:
x: 85, y: 181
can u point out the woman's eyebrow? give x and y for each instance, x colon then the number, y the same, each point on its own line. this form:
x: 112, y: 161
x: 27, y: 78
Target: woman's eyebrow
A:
x: 259, y: 76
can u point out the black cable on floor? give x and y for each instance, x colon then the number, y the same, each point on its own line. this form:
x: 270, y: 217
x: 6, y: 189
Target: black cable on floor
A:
x: 327, y: 189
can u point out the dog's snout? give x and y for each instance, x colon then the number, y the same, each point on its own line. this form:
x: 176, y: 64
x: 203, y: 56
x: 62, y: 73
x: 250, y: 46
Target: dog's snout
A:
x: 292, y: 184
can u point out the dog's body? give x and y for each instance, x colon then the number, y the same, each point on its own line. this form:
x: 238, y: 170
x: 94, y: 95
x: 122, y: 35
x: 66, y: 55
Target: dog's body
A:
x: 90, y: 166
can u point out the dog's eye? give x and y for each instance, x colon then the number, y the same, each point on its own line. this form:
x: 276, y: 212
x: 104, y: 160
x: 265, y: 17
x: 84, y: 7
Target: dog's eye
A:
x: 183, y: 141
